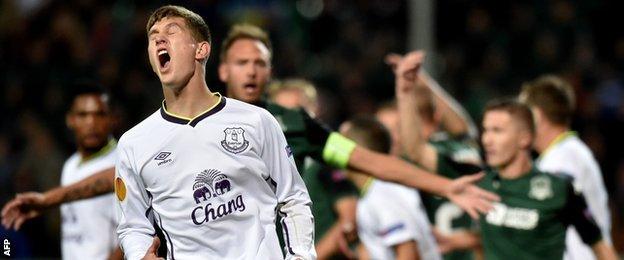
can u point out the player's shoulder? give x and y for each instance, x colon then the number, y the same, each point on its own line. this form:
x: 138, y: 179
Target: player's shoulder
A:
x: 557, y: 179
x: 248, y: 111
x: 381, y: 192
x: 73, y: 160
x: 140, y: 130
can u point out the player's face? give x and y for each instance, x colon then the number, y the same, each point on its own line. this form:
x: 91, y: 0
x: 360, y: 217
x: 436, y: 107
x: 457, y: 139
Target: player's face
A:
x: 390, y: 119
x: 502, y: 138
x: 89, y: 119
x: 172, y: 51
x: 246, y: 70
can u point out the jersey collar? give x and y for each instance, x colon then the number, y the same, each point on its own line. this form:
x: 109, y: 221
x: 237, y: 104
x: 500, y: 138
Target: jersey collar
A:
x: 560, y: 138
x: 104, y: 150
x: 173, y: 118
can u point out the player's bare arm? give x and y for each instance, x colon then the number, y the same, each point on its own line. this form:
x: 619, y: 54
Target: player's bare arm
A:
x: 415, y: 145
x: 407, y: 250
x: 460, y: 191
x: 454, y: 117
x: 29, y: 205
x: 604, y: 251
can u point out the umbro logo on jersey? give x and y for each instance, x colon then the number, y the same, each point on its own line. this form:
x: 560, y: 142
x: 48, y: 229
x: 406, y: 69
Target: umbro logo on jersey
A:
x: 234, y: 140
x: 162, y: 157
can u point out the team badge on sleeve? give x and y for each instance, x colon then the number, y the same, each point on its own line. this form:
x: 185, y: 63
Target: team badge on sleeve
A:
x: 120, y: 189
x: 234, y: 141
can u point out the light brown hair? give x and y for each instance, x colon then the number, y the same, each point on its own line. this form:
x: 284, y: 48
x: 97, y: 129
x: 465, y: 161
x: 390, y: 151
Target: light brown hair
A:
x: 199, y: 29
x: 553, y: 96
x: 245, y: 31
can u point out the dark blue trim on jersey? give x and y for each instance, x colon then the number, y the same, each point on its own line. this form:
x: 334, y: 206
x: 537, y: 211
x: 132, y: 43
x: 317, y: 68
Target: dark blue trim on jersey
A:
x: 183, y: 121
x: 286, y: 232
x: 166, y: 234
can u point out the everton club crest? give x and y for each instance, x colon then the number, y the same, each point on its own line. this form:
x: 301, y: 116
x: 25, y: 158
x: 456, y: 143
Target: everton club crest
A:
x: 540, y: 188
x: 234, y: 141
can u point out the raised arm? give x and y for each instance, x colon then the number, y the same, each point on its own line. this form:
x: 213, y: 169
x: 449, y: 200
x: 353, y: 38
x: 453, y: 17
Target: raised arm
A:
x: 454, y: 117
x: 29, y: 205
x: 415, y: 145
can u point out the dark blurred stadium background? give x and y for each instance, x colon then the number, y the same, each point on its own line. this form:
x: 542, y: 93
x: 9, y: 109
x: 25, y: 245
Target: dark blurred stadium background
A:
x: 477, y: 50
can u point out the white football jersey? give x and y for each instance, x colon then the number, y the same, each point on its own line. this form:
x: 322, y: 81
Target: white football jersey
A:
x: 213, y: 185
x: 389, y: 214
x: 88, y: 226
x: 569, y: 155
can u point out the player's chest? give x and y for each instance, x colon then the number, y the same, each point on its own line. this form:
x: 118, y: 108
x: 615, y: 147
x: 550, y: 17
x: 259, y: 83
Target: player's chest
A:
x: 191, y: 157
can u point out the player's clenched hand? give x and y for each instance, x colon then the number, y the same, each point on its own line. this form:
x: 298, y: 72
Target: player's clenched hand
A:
x: 406, y: 69
x: 469, y: 197
x: 23, y: 207
x: 152, y: 251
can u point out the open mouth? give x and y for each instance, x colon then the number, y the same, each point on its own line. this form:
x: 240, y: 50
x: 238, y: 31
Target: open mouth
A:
x: 250, y: 87
x: 164, y: 58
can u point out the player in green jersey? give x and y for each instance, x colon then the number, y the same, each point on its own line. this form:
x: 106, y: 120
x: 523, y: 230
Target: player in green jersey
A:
x: 536, y: 208
x: 422, y: 110
x: 334, y: 197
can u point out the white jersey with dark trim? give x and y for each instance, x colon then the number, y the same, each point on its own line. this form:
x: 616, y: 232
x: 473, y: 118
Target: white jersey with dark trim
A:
x: 569, y: 155
x: 213, y: 185
x: 88, y: 226
x: 389, y: 214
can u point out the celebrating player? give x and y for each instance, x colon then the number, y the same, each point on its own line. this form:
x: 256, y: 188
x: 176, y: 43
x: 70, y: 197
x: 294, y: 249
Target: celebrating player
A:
x: 211, y: 172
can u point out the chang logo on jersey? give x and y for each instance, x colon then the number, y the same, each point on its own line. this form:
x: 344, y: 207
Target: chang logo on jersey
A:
x: 518, y: 218
x: 212, y: 184
x: 162, y: 158
x: 234, y: 140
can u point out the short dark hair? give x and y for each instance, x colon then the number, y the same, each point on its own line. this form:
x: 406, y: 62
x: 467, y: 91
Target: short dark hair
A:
x: 370, y: 133
x: 197, y: 25
x: 86, y: 87
x: 518, y: 111
x: 245, y: 31
x: 554, y: 96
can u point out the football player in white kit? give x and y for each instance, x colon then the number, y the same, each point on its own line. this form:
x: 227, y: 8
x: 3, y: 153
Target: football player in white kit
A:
x: 88, y: 226
x: 391, y: 219
x: 211, y: 172
x: 552, y: 102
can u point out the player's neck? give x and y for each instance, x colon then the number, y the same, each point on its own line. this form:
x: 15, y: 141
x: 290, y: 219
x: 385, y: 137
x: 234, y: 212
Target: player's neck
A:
x: 190, y: 100
x: 547, y: 134
x: 518, y: 167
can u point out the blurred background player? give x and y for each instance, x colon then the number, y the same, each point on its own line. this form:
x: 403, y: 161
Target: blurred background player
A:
x: 561, y: 151
x: 88, y: 226
x: 423, y: 110
x: 334, y: 197
x: 245, y: 67
x: 392, y: 223
x: 536, y: 207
